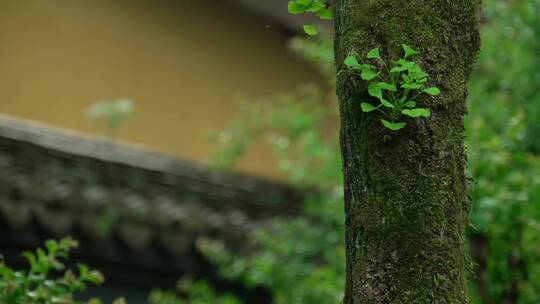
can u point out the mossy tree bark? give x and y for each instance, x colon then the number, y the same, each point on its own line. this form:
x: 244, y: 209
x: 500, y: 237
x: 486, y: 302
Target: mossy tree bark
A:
x: 405, y: 191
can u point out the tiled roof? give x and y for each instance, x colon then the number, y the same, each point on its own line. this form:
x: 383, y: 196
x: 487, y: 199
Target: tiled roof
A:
x: 126, y: 199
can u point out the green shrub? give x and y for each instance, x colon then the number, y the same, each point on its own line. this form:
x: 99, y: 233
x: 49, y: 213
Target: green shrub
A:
x: 47, y: 281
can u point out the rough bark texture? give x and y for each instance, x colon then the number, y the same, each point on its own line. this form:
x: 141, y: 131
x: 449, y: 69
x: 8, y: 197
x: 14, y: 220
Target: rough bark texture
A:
x: 406, y: 197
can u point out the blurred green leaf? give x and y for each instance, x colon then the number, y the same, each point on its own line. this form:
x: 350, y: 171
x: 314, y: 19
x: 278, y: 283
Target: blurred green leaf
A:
x: 310, y: 29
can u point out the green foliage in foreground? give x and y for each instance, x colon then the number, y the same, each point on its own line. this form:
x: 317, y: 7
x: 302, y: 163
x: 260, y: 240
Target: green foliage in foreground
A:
x: 47, y: 281
x: 396, y: 88
x: 39, y: 283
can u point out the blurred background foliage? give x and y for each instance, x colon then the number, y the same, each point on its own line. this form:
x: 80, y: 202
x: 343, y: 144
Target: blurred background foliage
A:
x: 503, y: 140
x: 302, y: 260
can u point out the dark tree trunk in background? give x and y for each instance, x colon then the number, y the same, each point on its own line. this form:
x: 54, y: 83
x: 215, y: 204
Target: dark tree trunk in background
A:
x: 405, y: 191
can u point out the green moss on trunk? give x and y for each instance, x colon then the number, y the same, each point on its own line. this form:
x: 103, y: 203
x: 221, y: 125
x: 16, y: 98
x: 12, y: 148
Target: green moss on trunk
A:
x: 406, y: 196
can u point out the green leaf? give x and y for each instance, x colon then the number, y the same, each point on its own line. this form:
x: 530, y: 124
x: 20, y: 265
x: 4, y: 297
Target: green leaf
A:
x: 366, y: 107
x: 401, y: 65
x: 422, y: 79
x: 393, y: 126
x: 387, y: 86
x: 412, y: 86
x: 52, y: 246
x: 295, y: 8
x: 406, y: 64
x: 368, y: 74
x: 406, y: 78
x: 386, y: 103
x: 416, y: 73
x: 30, y: 257
x: 324, y: 14
x: 310, y: 29
x: 434, y: 91
x: 410, y: 104
x: 120, y: 301
x: 397, y: 69
x: 409, y: 51
x: 414, y: 68
x: 351, y: 61
x: 417, y: 112
x: 374, y: 53
x: 315, y: 6
x: 375, y: 90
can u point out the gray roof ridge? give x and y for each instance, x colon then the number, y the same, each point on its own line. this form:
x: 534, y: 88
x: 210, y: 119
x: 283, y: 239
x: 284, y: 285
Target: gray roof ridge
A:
x: 104, y: 149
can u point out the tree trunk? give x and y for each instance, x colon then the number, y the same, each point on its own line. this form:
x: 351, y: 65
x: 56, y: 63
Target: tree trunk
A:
x: 405, y: 191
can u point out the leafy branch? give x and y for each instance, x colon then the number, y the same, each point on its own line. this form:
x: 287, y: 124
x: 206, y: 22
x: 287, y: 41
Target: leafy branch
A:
x: 41, y: 283
x: 396, y: 88
x: 319, y: 8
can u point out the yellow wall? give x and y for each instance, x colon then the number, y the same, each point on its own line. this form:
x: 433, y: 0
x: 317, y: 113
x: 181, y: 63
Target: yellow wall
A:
x: 182, y: 62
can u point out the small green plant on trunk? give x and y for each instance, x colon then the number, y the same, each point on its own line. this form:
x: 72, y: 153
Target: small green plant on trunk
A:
x: 395, y: 88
